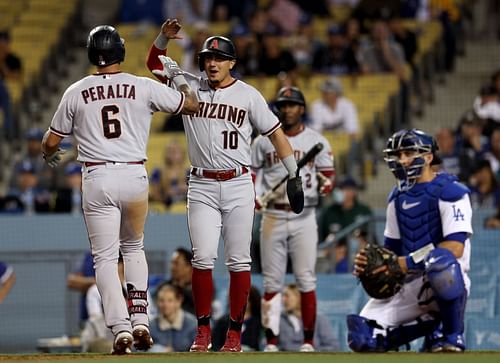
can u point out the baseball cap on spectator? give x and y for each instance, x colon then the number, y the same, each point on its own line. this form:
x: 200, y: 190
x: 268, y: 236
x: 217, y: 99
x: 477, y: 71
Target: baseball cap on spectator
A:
x: 488, y: 89
x: 348, y: 182
x: 34, y: 133
x: 305, y: 18
x: 332, y: 85
x: 240, y: 30
x: 470, y: 117
x: 336, y: 29
x: 26, y: 167
x: 272, y: 29
x: 72, y: 168
x: 4, y: 35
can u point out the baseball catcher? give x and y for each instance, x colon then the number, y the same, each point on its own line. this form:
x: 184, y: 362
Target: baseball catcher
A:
x: 418, y: 281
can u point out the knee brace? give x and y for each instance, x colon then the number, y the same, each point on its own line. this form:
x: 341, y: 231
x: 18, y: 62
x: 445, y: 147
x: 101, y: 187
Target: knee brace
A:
x: 444, y: 274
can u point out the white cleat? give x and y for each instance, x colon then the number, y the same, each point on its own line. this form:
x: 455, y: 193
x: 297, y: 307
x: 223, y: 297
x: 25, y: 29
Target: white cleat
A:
x: 271, y: 348
x: 306, y: 347
x: 142, y: 338
x: 122, y: 343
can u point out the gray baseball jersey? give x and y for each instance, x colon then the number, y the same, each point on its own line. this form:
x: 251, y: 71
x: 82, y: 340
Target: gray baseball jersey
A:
x: 219, y: 135
x: 264, y: 158
x: 110, y: 115
x: 219, y: 138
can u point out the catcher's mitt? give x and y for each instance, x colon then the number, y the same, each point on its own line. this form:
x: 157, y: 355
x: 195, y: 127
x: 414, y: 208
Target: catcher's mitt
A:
x: 383, y: 284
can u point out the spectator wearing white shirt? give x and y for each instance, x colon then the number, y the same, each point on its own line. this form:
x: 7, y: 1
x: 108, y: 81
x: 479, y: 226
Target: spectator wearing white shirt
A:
x: 334, y: 111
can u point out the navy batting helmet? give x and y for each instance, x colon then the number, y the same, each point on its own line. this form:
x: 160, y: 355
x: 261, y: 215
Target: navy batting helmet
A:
x: 217, y: 45
x: 104, y: 46
x: 289, y: 94
x: 411, y: 140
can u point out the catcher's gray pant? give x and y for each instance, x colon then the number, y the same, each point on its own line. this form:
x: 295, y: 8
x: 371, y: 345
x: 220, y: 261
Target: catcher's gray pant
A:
x: 115, y: 205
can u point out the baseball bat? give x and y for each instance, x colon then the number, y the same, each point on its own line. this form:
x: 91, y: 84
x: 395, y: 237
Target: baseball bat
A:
x: 300, y: 164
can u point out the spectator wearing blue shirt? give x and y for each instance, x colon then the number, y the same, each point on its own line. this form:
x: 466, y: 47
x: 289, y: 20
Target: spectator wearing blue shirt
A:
x: 173, y: 329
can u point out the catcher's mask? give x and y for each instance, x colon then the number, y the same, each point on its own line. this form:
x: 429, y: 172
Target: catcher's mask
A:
x: 217, y: 45
x: 104, y: 46
x: 409, y: 140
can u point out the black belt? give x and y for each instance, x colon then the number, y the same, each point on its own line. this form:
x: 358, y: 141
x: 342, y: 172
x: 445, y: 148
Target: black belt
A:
x: 280, y: 206
x: 91, y: 163
x: 220, y: 175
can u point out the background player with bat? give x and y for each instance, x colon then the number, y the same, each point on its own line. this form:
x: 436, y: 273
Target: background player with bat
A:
x: 283, y: 231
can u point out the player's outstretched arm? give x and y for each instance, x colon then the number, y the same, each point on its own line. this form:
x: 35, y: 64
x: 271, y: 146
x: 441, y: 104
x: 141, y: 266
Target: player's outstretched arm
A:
x: 169, y: 30
x: 172, y: 71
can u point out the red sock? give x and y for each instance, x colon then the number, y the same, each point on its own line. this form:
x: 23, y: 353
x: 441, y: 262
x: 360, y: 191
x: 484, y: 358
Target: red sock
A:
x: 239, y: 288
x: 308, y: 309
x: 269, y: 295
x: 203, y: 290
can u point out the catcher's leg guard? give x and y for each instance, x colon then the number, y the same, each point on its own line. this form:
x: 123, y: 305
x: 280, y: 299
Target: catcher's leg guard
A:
x: 445, y: 277
x: 405, y: 334
x: 361, y: 338
x: 360, y: 335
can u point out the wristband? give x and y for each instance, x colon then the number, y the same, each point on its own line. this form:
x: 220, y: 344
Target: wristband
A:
x: 412, y: 265
x: 161, y: 41
x: 415, y: 260
x: 290, y: 165
x: 179, y: 81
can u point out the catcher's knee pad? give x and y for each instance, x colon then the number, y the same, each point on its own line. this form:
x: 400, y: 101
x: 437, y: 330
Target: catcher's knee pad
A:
x: 444, y: 274
x: 360, y: 335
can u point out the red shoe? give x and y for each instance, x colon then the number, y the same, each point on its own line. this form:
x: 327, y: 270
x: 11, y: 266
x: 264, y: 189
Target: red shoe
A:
x: 233, y: 342
x: 202, y: 340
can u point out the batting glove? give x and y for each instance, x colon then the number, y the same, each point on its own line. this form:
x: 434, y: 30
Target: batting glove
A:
x: 326, y: 185
x: 170, y: 68
x: 54, y: 159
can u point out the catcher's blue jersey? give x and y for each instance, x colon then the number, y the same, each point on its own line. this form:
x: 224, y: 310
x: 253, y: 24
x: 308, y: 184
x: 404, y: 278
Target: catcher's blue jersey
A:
x: 419, y: 212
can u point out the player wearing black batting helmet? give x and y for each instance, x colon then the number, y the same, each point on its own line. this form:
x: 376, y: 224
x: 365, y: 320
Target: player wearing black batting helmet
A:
x: 289, y: 94
x: 217, y: 45
x: 104, y: 46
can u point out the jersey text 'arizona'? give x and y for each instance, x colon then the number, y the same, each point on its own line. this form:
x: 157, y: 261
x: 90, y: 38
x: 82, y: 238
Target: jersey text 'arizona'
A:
x: 222, y: 111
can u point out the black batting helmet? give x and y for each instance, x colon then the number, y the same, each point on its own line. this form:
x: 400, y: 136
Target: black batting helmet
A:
x: 289, y: 94
x: 104, y: 46
x: 218, y: 45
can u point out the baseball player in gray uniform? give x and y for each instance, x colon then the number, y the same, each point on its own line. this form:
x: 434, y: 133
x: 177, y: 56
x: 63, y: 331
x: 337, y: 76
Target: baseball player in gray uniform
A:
x: 283, y: 232
x: 109, y: 114
x: 221, y: 193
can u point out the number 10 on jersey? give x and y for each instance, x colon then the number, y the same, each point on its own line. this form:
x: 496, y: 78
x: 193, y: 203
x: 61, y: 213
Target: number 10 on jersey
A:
x: 230, y: 139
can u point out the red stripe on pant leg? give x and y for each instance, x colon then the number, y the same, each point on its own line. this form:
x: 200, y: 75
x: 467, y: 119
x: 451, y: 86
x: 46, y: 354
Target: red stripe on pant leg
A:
x: 239, y: 288
x: 308, y: 309
x: 203, y: 290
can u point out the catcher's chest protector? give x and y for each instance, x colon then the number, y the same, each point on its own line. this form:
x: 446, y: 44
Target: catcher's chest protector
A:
x: 418, y: 216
